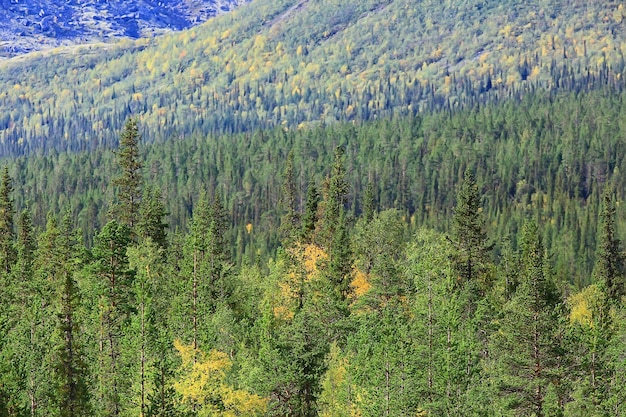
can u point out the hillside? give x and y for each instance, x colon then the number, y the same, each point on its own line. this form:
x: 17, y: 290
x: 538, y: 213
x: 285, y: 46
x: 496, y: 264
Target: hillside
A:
x: 42, y: 24
x: 457, y: 263
x: 297, y: 62
x: 546, y: 157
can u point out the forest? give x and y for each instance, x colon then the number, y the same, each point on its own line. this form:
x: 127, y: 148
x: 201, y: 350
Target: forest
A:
x: 455, y: 263
x: 285, y: 63
x: 409, y: 209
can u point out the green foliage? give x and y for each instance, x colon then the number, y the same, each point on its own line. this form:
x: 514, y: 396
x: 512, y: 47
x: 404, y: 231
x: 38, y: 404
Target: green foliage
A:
x: 114, y: 287
x: 468, y: 233
x: 610, y: 263
x: 365, y: 312
x: 274, y: 64
x: 527, y: 345
x: 151, y: 216
x: 7, y: 213
x: 335, y: 192
x: 290, y: 221
x: 309, y: 219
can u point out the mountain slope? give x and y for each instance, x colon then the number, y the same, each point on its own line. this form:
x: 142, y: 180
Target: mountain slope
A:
x: 40, y: 24
x: 295, y: 62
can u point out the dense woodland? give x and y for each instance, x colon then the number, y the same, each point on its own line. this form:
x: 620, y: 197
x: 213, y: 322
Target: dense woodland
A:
x: 465, y: 263
x: 407, y: 209
x: 548, y: 157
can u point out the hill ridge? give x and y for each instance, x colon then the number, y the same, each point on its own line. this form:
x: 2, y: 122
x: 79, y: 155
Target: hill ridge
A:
x: 43, y: 24
x: 239, y: 72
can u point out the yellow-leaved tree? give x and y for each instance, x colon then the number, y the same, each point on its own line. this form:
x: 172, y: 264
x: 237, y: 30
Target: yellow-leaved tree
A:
x: 202, y: 385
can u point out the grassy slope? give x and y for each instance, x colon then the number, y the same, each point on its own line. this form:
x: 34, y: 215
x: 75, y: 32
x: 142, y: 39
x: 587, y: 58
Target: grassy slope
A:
x: 301, y: 61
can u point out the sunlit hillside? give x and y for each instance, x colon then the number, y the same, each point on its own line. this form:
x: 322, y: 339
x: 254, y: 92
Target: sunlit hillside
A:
x: 298, y: 62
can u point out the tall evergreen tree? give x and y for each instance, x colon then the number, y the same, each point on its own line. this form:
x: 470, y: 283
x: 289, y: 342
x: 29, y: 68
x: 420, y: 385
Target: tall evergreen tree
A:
x: 7, y: 233
x: 369, y: 204
x: 340, y: 261
x: 71, y: 368
x: 152, y: 212
x: 291, y: 219
x: 292, y: 344
x: 610, y: 258
x: 110, y: 267
x: 130, y: 181
x: 468, y: 234
x: 309, y: 220
x: 218, y: 254
x: 146, y: 259
x: 335, y: 199
x: 26, y: 247
x: 527, y: 346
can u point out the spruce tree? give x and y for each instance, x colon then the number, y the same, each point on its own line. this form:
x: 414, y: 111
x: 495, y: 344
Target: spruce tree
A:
x: 468, y: 234
x: 340, y: 262
x: 151, y: 218
x: 527, y: 348
x: 610, y: 259
x: 335, y: 199
x: 7, y: 234
x: 369, y: 205
x: 110, y: 268
x: 291, y: 219
x: 130, y: 181
x: 309, y: 220
x: 71, y: 367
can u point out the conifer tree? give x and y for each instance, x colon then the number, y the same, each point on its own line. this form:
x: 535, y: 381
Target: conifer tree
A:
x: 110, y: 267
x: 25, y: 247
x: 218, y: 253
x: 369, y: 205
x: 151, y: 217
x: 335, y: 198
x: 7, y: 212
x: 340, y: 261
x: 130, y: 181
x: 71, y: 368
x: 145, y: 259
x: 527, y: 347
x: 309, y: 219
x: 13, y: 322
x: 207, y: 267
x: 468, y: 234
x: 610, y: 260
x: 290, y: 220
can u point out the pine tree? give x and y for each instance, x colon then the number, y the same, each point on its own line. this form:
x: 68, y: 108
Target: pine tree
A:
x: 130, y: 181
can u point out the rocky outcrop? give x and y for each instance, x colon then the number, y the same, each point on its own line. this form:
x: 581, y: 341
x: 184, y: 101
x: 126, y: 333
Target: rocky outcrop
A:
x: 30, y: 25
